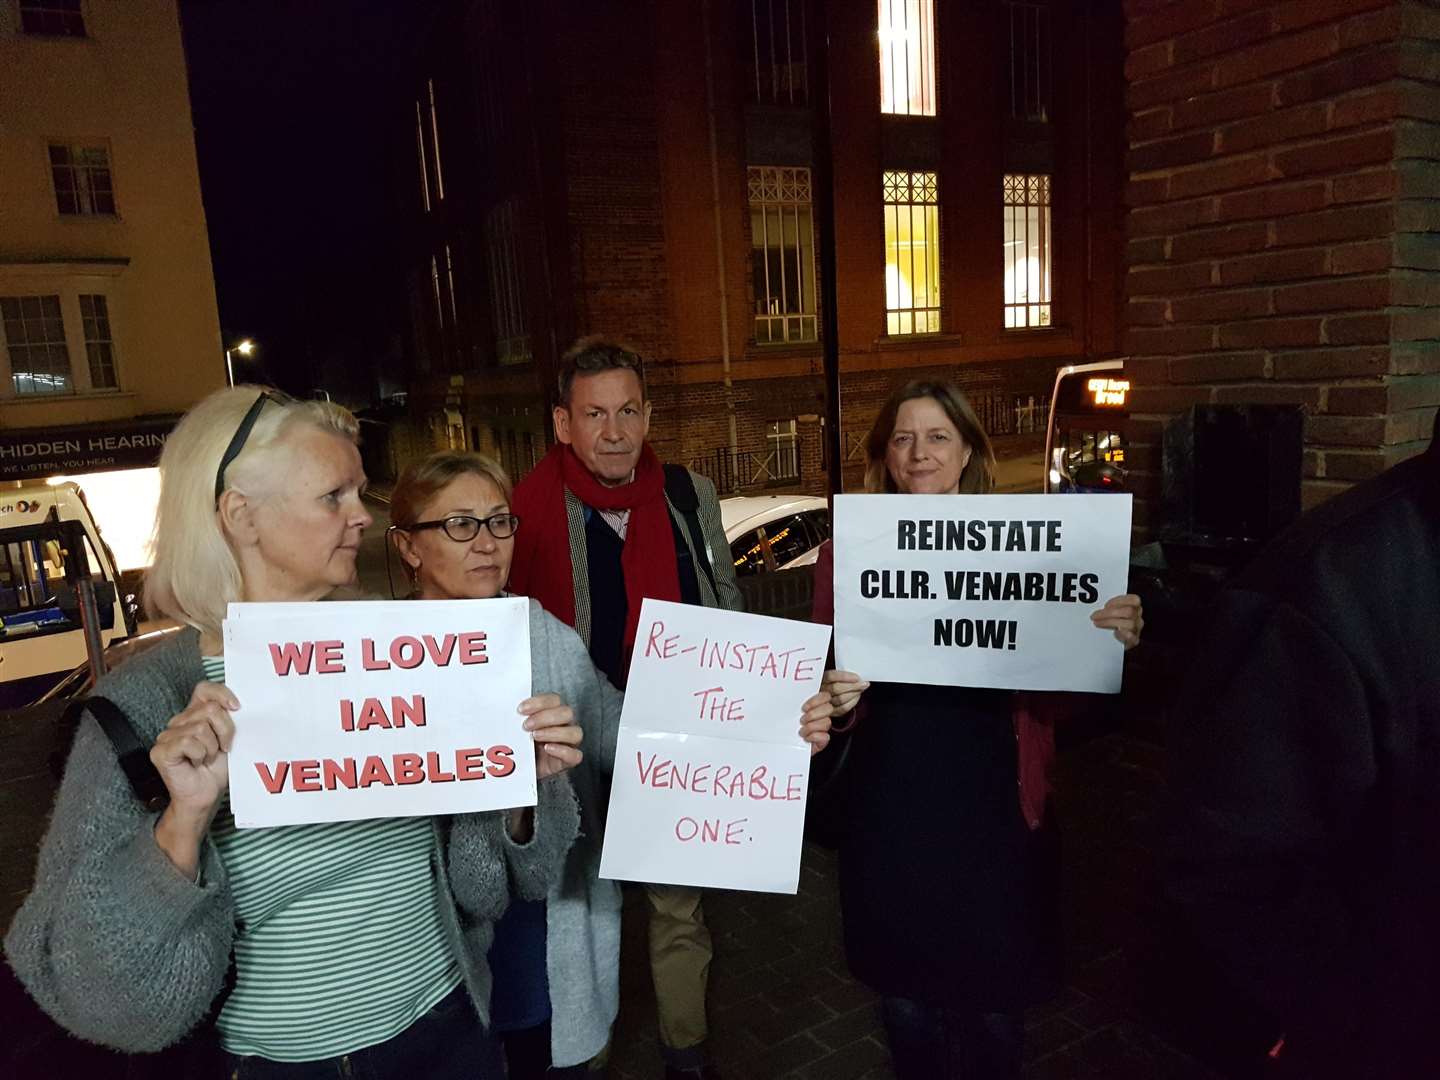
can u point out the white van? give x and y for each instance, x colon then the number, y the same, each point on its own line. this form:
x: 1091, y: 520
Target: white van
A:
x: 41, y: 639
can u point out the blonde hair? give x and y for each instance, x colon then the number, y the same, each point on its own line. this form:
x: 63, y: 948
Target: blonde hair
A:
x: 978, y: 477
x: 195, y: 575
x: 422, y: 480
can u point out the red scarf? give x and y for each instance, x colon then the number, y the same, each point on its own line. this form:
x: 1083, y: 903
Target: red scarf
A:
x: 542, y: 567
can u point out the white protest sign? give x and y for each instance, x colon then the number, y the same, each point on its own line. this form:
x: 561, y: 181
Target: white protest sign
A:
x: 980, y: 590
x: 710, y: 769
x: 354, y: 710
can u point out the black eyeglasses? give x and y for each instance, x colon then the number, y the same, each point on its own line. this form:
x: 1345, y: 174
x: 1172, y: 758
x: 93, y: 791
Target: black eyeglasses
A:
x: 463, y: 528
x: 241, y: 434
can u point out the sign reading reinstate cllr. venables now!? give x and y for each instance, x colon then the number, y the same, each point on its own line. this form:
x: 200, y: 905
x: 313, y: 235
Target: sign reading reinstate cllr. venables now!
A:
x: 980, y: 590
x: 369, y: 709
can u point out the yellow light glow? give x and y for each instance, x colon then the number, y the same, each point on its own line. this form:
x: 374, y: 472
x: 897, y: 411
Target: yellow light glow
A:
x: 1109, y: 391
x: 246, y: 347
x: 123, y: 505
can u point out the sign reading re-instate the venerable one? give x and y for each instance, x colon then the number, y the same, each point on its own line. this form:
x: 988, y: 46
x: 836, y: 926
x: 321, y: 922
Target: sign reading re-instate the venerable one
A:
x: 710, y: 770
x: 367, y: 709
x: 980, y: 590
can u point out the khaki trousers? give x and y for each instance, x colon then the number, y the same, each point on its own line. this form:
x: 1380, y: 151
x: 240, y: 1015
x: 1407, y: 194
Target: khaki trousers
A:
x: 680, y: 952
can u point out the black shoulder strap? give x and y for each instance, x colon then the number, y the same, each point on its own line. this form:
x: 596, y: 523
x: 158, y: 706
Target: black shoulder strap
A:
x: 680, y: 490
x: 133, y: 754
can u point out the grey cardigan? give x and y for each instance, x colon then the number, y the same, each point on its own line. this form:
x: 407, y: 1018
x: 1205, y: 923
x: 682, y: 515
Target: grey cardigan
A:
x: 121, y: 949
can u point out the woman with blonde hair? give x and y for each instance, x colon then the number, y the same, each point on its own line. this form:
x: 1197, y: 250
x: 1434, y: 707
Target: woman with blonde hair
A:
x: 556, y: 959
x: 949, y: 860
x: 319, y: 950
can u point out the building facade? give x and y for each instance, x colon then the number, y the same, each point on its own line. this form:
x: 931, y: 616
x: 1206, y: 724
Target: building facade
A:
x: 646, y: 170
x: 108, y: 319
x: 1283, y: 231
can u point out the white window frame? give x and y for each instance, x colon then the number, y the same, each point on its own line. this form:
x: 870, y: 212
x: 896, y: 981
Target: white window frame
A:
x: 81, y: 11
x: 911, y: 194
x: 84, y: 184
x: 69, y: 291
x: 105, y: 343
x: 1028, y: 290
x: 782, y: 439
x: 905, y: 30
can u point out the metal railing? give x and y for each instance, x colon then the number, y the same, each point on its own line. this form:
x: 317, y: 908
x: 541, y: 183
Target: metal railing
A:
x: 745, y: 469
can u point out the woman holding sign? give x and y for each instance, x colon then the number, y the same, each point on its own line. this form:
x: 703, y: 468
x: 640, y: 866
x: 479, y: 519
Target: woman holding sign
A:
x: 315, y: 950
x: 556, y: 962
x: 949, y: 862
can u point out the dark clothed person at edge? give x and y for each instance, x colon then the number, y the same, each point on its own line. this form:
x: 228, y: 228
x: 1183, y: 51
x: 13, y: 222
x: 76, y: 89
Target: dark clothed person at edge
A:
x: 1305, y: 767
x: 949, y: 883
x: 601, y: 534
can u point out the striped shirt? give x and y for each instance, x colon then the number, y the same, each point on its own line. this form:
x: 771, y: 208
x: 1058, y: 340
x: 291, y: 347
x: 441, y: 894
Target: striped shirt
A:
x: 339, y: 939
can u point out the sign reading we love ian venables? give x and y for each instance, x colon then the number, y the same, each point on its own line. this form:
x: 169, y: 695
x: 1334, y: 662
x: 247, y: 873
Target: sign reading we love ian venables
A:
x: 366, y: 709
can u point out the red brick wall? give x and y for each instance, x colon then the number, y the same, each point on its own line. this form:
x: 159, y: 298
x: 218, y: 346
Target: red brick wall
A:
x: 1280, y: 245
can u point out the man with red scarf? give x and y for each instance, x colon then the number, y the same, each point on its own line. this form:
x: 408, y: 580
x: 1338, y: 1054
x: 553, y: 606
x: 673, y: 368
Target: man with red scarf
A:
x: 600, y: 535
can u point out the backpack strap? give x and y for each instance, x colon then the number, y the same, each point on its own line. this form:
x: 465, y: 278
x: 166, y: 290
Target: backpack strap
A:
x: 680, y: 490
x: 133, y: 754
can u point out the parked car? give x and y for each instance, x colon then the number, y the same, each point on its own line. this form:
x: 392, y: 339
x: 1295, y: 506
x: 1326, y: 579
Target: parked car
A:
x: 774, y: 532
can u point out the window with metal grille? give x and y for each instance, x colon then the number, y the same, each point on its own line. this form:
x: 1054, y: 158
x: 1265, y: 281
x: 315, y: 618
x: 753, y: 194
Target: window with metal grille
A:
x: 912, y: 253
x: 512, y: 341
x: 777, y: 39
x: 35, y: 342
x: 1029, y: 27
x: 57, y: 18
x: 1027, y: 250
x: 907, y: 57
x: 782, y: 254
x: 82, y: 179
x: 99, y: 345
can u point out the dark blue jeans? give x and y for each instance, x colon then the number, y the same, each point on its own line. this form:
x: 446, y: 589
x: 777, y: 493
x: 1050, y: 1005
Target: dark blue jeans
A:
x: 447, y: 1043
x: 930, y: 1042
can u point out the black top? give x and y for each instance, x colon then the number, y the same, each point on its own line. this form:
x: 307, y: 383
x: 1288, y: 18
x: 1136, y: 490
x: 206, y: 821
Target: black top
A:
x: 947, y: 896
x: 1305, y: 759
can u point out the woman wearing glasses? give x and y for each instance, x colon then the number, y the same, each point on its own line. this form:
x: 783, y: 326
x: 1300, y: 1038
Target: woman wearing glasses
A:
x: 556, y: 963
x: 319, y: 950
x: 455, y: 535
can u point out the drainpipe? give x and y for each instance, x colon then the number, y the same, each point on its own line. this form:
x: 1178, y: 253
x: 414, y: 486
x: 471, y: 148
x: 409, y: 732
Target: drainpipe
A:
x: 734, y: 439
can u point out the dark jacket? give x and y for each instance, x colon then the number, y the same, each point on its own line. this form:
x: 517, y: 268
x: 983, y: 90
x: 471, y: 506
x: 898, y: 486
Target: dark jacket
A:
x: 1305, y: 851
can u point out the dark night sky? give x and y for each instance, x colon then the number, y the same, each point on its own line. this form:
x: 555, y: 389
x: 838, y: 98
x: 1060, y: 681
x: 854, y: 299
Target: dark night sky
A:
x: 297, y: 165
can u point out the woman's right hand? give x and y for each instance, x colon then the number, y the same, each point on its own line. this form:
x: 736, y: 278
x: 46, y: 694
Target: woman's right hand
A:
x: 192, y: 757
x: 844, y: 688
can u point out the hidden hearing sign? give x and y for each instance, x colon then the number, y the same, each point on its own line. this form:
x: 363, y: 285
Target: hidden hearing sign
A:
x: 369, y: 709
x: 980, y: 590
x: 710, y: 769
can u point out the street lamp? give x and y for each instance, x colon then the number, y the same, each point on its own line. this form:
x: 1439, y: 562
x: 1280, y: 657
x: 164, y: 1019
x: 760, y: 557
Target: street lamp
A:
x: 245, y: 348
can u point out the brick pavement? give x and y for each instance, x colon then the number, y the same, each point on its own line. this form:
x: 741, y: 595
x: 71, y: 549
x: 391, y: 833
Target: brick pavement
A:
x: 784, y: 1006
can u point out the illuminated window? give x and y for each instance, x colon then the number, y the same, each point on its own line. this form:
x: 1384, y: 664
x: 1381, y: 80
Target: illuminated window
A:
x: 58, y: 18
x: 1027, y: 250
x: 82, y: 179
x: 1029, y: 61
x: 907, y: 57
x: 35, y: 342
x: 99, y: 346
x: 512, y: 342
x: 782, y: 255
x: 912, y: 253
x: 777, y: 39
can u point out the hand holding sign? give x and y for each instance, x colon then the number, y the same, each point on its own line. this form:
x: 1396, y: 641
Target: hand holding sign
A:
x: 384, y: 709
x: 984, y: 590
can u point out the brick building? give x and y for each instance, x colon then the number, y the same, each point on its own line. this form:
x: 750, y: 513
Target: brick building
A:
x: 1282, y: 224
x: 643, y: 169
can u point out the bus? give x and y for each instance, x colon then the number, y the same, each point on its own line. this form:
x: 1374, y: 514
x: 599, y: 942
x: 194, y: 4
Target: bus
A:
x: 1085, y: 439
x: 41, y: 635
